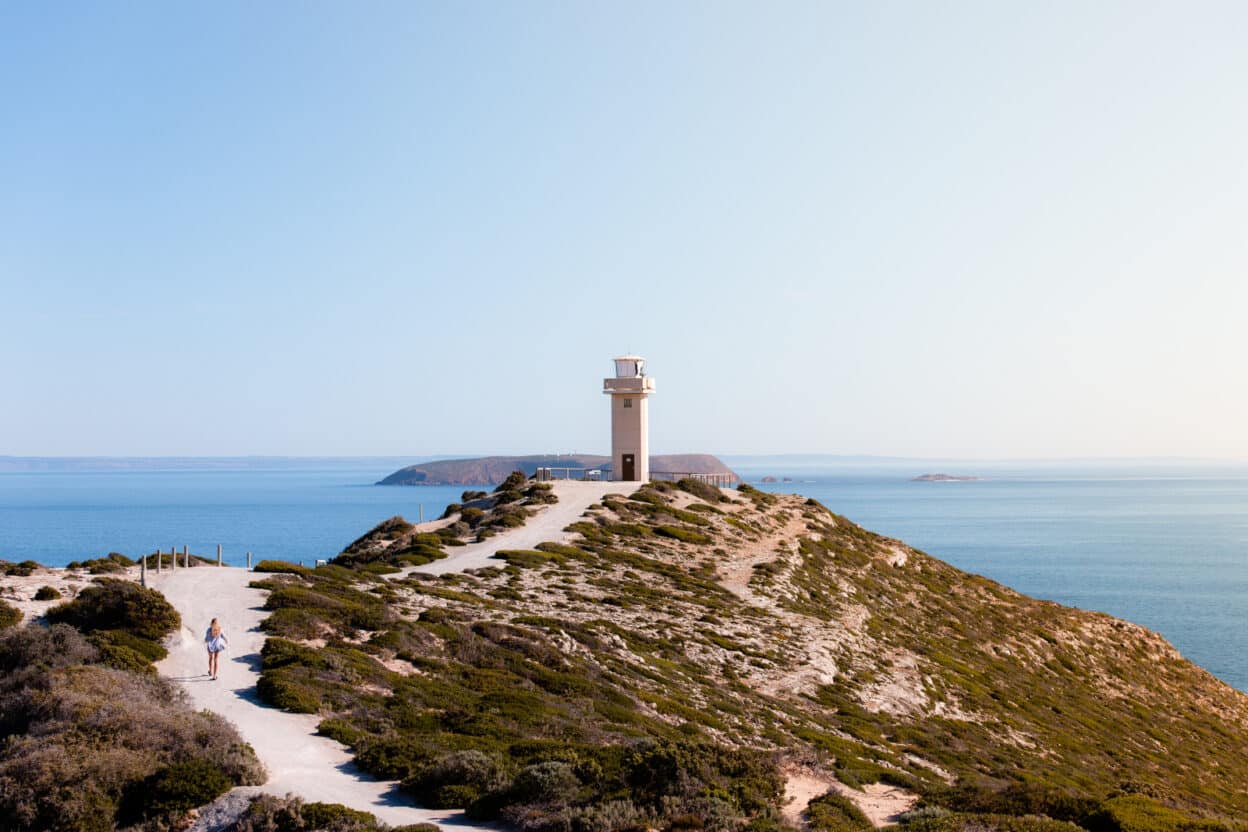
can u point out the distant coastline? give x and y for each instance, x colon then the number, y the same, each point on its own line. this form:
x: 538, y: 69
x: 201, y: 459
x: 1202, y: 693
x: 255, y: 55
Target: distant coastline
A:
x: 942, y: 478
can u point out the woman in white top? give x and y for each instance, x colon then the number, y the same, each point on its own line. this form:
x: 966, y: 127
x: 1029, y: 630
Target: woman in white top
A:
x: 216, y: 642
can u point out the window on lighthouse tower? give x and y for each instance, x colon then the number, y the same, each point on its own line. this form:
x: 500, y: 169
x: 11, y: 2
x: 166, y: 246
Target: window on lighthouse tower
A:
x: 628, y: 402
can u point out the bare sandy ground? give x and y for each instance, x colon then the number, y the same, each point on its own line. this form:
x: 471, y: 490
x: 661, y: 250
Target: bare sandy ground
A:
x: 19, y: 591
x: 882, y: 804
x: 547, y: 526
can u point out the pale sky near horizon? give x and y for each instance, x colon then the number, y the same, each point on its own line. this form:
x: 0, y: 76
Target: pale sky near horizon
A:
x: 965, y: 229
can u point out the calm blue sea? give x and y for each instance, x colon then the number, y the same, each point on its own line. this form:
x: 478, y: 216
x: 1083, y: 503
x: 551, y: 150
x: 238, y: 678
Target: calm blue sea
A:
x: 289, y: 514
x: 1164, y: 546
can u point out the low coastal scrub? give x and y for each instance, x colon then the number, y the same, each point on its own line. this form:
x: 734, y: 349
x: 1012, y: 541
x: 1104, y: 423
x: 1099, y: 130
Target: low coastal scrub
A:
x: 86, y: 746
x: 281, y: 567
x: 700, y: 489
x: 113, y: 562
x: 653, y: 671
x: 835, y: 813
x: 10, y: 616
x: 19, y: 570
x: 47, y: 593
x: 291, y: 814
x: 126, y: 612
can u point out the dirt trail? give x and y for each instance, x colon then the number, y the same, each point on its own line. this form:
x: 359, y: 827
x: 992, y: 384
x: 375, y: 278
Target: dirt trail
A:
x: 547, y: 525
x: 298, y: 760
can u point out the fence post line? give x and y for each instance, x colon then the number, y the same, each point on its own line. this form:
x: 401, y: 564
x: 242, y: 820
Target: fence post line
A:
x: 420, y: 508
x: 157, y: 560
x: 173, y: 558
x: 186, y: 556
x: 249, y: 560
x: 143, y: 571
x: 218, y: 554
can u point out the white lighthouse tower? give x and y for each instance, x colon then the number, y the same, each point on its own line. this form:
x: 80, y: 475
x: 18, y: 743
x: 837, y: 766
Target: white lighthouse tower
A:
x: 630, y: 420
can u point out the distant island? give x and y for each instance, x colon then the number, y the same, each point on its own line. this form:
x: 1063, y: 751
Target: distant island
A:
x: 491, y: 470
x: 941, y: 478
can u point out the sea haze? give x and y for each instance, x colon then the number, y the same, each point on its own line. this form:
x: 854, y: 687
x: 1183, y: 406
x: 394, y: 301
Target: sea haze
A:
x: 1161, y: 544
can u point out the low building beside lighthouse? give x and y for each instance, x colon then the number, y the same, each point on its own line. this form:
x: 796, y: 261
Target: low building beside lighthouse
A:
x: 630, y: 422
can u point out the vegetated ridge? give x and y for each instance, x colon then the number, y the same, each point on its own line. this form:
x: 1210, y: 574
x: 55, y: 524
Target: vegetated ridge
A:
x: 491, y: 470
x: 694, y: 647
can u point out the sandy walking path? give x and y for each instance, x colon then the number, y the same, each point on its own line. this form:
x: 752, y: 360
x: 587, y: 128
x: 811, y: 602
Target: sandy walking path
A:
x: 547, y: 526
x: 299, y: 761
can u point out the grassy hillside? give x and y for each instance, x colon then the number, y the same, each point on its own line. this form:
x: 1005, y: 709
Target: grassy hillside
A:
x: 695, y: 647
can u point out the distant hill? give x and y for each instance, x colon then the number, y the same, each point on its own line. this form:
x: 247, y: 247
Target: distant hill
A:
x: 491, y: 470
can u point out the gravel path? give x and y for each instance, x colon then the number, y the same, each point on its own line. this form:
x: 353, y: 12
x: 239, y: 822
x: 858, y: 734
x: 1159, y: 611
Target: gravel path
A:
x: 299, y: 761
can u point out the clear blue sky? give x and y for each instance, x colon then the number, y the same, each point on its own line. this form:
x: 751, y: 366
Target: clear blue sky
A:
x: 947, y: 229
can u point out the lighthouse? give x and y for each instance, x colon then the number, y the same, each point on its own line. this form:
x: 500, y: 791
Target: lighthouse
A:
x: 630, y: 422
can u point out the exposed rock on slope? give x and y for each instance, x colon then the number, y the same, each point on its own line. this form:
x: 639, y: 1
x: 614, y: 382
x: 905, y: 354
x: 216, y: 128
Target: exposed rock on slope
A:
x: 491, y: 470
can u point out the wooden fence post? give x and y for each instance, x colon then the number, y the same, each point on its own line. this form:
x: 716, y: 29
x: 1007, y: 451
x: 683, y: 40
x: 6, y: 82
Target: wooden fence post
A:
x: 157, y: 560
x: 218, y: 554
x: 249, y: 560
x: 143, y: 571
x: 186, y: 556
x: 173, y: 558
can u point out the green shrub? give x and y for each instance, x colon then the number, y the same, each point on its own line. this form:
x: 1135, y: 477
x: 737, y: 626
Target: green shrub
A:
x: 919, y: 821
x: 455, y: 780
x: 175, y: 789
x: 551, y: 782
x: 836, y: 813
x: 10, y: 616
x: 282, y: 567
x: 683, y: 535
x: 290, y: 814
x: 150, y: 650
x: 700, y: 489
x: 1139, y: 813
x: 287, y: 694
x: 469, y: 496
x: 515, y: 480
x: 47, y: 593
x: 472, y: 516
x: 125, y: 658
x: 335, y: 816
x: 280, y: 652
x: 112, y: 604
x: 507, y: 496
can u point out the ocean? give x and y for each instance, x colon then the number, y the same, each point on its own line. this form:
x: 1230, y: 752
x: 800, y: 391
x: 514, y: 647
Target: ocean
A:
x: 285, y: 512
x: 1165, y: 546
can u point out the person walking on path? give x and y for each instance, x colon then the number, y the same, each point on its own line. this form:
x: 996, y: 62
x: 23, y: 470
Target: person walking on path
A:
x: 216, y: 642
